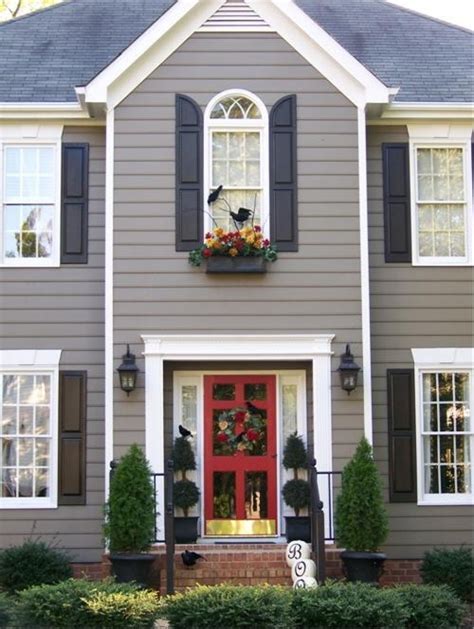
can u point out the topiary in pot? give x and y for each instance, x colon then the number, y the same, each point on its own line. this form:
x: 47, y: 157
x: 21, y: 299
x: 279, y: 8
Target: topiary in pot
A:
x: 185, y: 491
x: 360, y: 518
x: 296, y: 490
x: 130, y: 518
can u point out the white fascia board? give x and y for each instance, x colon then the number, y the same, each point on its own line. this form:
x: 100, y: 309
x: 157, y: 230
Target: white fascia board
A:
x: 35, y: 111
x: 149, y: 50
x: 323, y: 52
x: 29, y: 358
x: 400, y: 111
x: 447, y: 357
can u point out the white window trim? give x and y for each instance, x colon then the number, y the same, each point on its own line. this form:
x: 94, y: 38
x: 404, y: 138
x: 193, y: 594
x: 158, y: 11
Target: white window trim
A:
x: 219, y: 124
x: 33, y: 135
x: 428, y: 360
x: 32, y: 362
x: 295, y: 377
x: 441, y: 136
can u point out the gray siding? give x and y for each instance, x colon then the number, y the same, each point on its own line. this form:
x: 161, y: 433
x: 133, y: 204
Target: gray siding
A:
x: 314, y: 290
x: 63, y: 308
x: 411, y: 307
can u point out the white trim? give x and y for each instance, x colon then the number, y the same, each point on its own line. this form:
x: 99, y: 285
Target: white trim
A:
x: 399, y: 111
x: 31, y: 362
x: 364, y: 275
x: 41, y: 111
x: 429, y: 360
x: 212, y: 125
x: 109, y: 296
x: 441, y: 135
x: 184, y: 18
x: 158, y: 348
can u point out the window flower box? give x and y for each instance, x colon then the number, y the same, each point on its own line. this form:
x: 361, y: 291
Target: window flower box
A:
x: 242, y: 264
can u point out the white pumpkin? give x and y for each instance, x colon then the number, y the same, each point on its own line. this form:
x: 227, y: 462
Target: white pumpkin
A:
x: 297, y: 550
x: 303, y: 568
x: 305, y: 583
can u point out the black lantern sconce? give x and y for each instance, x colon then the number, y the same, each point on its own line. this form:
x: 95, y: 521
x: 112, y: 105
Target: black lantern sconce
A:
x: 348, y: 371
x: 128, y: 372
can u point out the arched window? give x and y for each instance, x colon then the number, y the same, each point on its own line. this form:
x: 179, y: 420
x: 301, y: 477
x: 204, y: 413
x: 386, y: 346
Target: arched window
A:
x: 236, y: 157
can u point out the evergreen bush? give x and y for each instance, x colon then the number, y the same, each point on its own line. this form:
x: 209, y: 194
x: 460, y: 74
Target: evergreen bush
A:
x: 186, y: 492
x: 360, y: 518
x: 186, y: 495
x: 450, y: 566
x: 130, y: 511
x: 32, y: 563
x: 7, y: 607
x: 431, y: 606
x: 296, y: 490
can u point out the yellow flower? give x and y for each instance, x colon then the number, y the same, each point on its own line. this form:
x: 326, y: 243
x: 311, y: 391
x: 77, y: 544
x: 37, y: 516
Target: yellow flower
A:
x: 241, y: 446
x: 223, y: 425
x: 214, y: 244
x: 233, y: 252
x: 250, y: 239
x: 219, y: 232
x: 246, y: 231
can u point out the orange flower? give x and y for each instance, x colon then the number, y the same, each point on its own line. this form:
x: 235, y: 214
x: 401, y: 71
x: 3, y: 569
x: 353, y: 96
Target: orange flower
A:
x: 233, y: 252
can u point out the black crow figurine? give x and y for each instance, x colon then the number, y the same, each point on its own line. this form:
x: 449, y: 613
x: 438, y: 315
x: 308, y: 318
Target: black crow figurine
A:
x: 189, y: 557
x: 241, y: 216
x: 184, y: 432
x: 253, y: 409
x: 214, y: 195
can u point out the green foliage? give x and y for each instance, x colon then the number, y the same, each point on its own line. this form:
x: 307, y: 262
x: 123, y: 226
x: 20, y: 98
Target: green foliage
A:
x: 183, y: 456
x: 32, y: 563
x: 295, y: 455
x: 296, y: 494
x: 341, y: 605
x: 431, y: 606
x: 360, y: 518
x: 81, y: 603
x: 228, y: 606
x: 453, y: 567
x: 130, y: 512
x: 7, y: 610
x: 186, y: 495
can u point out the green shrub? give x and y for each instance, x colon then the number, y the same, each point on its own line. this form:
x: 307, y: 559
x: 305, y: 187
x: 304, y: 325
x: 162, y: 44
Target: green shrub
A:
x: 228, y: 606
x: 295, y: 456
x: 361, y: 519
x: 296, y: 494
x: 32, y: 563
x: 453, y: 567
x: 7, y: 605
x: 341, y: 605
x: 185, y: 494
x: 183, y: 456
x: 296, y: 490
x: 81, y: 603
x: 431, y: 606
x: 130, y: 512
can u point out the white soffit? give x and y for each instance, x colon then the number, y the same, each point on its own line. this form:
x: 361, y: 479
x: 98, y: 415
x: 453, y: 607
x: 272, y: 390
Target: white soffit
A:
x: 186, y: 17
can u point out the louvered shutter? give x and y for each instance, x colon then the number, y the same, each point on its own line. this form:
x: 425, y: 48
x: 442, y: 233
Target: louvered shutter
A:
x: 396, y: 202
x: 74, y: 206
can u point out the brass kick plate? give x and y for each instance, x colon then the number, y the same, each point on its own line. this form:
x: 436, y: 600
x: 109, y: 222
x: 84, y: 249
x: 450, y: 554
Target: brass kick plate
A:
x: 243, y: 528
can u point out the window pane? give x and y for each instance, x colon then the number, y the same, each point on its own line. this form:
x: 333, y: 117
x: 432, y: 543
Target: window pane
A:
x: 25, y: 483
x: 224, y: 495
x: 425, y: 188
x: 12, y: 160
x: 256, y: 495
x: 448, y: 479
x: 9, y: 483
x: 9, y: 420
x: 461, y: 387
x: 236, y: 145
x: 236, y: 175
x: 42, y: 420
x: 42, y: 452
x: 41, y: 483
x: 289, y: 407
x: 10, y: 389
x: 441, y: 244
x: 431, y: 479
x: 235, y: 108
x: 26, y: 420
x: 25, y: 451
x: 9, y: 452
x: 27, y: 389
x: 12, y: 217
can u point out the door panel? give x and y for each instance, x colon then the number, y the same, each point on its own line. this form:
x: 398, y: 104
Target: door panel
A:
x: 240, y: 455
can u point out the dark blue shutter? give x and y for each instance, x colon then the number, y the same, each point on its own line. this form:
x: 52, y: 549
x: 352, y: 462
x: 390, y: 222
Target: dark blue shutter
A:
x: 401, y: 435
x: 283, y: 175
x: 74, y: 206
x: 396, y: 202
x: 189, y: 174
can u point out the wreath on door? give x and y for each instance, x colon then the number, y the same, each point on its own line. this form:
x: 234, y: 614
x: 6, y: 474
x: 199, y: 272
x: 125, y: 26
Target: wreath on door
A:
x: 242, y: 430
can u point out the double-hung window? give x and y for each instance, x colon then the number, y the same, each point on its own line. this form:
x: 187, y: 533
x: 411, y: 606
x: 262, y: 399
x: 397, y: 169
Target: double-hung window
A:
x: 445, y: 432
x: 236, y: 158
x: 441, y: 199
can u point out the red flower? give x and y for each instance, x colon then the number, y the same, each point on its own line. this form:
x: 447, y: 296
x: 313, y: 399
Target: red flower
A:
x: 257, y: 228
x: 221, y: 436
x: 208, y: 235
x: 240, y: 416
x: 252, y: 435
x: 266, y: 242
x: 207, y: 253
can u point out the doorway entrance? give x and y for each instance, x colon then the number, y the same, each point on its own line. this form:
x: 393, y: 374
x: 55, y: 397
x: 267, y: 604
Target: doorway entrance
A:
x: 240, y: 455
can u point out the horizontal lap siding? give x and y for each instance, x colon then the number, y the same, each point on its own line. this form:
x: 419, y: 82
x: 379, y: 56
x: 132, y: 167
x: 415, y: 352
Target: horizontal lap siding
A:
x: 315, y: 290
x: 411, y: 307
x: 63, y: 308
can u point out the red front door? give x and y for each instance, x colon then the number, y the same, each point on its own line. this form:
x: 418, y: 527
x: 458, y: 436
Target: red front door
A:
x: 240, y: 455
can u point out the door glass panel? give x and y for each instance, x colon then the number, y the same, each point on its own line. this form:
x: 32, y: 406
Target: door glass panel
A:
x: 223, y: 434
x: 223, y: 392
x: 224, y: 495
x: 255, y: 391
x: 255, y: 437
x: 256, y: 495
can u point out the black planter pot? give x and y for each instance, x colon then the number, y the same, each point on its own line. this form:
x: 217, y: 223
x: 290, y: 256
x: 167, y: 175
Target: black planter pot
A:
x: 362, y: 566
x: 239, y: 264
x: 129, y: 567
x: 186, y: 530
x: 298, y: 528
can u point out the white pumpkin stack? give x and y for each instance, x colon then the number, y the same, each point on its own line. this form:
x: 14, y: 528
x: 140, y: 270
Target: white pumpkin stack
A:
x: 303, y: 569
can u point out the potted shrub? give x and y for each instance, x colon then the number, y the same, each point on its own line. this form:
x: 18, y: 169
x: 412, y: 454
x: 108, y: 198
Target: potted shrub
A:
x: 130, y: 518
x: 361, y: 518
x: 296, y: 490
x: 185, y: 492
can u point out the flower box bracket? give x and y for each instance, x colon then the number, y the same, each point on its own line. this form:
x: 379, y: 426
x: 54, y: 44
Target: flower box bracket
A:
x: 238, y: 264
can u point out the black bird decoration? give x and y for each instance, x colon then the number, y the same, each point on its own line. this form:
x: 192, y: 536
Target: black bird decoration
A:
x: 214, y: 195
x: 184, y: 432
x: 189, y: 557
x: 253, y: 409
x: 241, y: 216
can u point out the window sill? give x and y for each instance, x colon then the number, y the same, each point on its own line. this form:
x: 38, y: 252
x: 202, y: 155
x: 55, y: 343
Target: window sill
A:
x: 437, y: 262
x: 29, y: 265
x: 27, y: 503
x: 466, y: 500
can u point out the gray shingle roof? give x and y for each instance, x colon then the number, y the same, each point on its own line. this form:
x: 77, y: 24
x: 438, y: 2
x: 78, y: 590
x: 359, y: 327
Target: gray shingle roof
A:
x: 44, y: 55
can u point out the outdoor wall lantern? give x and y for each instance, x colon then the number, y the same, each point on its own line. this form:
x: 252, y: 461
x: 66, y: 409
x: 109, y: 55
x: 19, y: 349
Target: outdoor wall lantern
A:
x: 128, y: 372
x: 348, y: 371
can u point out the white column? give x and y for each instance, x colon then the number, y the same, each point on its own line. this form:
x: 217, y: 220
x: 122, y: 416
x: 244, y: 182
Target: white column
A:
x: 154, y: 430
x: 322, y: 423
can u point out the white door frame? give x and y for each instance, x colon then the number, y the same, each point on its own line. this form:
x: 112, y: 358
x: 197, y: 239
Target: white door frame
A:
x: 261, y: 347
